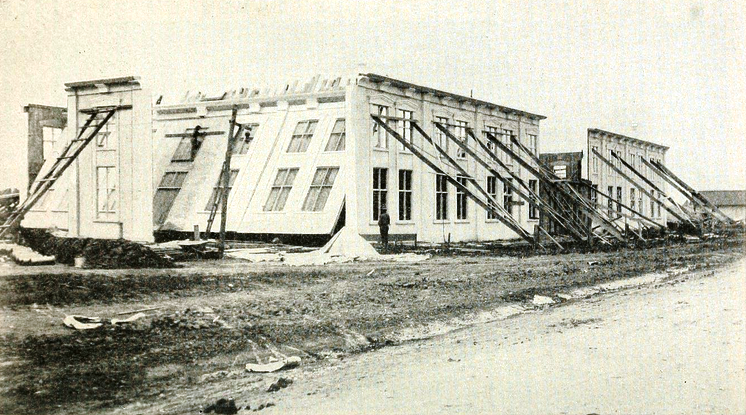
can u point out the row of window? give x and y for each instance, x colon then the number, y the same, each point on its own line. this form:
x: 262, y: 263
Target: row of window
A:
x: 403, y: 120
x: 300, y: 140
x: 318, y: 193
x: 380, y: 196
x: 635, y: 201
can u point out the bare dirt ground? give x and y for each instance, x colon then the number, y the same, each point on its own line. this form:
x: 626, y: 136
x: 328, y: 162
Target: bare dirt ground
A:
x: 213, y: 317
x: 676, y: 347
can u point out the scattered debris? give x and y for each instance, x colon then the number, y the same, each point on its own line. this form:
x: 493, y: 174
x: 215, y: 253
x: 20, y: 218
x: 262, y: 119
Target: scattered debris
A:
x: 82, y: 322
x: 289, y: 363
x: 139, y: 311
x: 281, y: 383
x: 542, y: 300
x: 263, y: 406
x: 23, y: 255
x: 98, y: 253
x: 223, y: 406
x: 137, y: 316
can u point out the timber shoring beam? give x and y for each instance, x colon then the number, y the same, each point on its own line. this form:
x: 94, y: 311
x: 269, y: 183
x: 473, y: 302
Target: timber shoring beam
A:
x: 589, y: 211
x: 523, y: 234
x: 476, y: 184
x: 576, y: 231
x: 634, y: 212
x: 511, y: 185
x: 556, y: 182
x: 651, y: 184
x: 724, y: 218
x: 629, y: 179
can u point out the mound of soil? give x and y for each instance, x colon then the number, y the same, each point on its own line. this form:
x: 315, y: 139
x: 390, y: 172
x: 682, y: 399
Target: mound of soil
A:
x: 98, y: 253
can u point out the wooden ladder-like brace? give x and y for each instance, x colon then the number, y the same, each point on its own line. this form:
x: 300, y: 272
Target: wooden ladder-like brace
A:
x: 97, y: 119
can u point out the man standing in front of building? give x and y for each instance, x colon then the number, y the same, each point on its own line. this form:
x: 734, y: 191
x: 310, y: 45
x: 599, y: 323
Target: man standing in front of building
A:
x: 383, y: 225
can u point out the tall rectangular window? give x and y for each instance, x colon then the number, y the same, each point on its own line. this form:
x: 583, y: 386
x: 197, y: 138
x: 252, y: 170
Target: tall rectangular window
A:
x: 165, y: 195
x: 533, y: 143
x: 243, y: 143
x: 441, y: 197
x: 50, y: 139
x: 280, y: 191
x: 594, y: 158
x: 594, y: 194
x: 380, y: 190
x: 302, y: 136
x: 610, y: 191
x: 106, y: 189
x: 184, y: 150
x: 611, y: 159
x: 321, y: 186
x: 337, y: 138
x: 440, y: 136
x: 405, y: 127
x: 508, y: 196
x: 652, y: 204
x: 106, y: 139
x: 216, y: 189
x: 461, y: 127
x: 533, y: 209
x: 619, y: 200
x: 405, y: 194
x: 506, y: 137
x: 495, y: 133
x: 639, y: 200
x: 380, y: 136
x: 492, y: 192
x: 462, y: 212
x: 632, y: 198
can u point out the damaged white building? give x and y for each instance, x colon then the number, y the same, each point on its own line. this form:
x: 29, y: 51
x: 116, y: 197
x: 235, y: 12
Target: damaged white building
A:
x: 310, y: 160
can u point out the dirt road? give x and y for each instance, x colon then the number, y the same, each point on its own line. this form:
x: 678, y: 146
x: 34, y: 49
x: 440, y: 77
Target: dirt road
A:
x: 669, y: 349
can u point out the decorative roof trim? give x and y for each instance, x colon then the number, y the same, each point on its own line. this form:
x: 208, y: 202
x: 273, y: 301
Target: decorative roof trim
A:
x: 442, y: 94
x: 624, y: 137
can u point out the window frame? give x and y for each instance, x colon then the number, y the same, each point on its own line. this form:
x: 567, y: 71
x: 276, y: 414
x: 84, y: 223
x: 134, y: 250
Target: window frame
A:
x: 304, y: 138
x: 244, y: 144
x: 508, y: 196
x: 378, y: 131
x: 491, y: 188
x: 441, y: 197
x: 316, y: 189
x: 462, y: 200
x: 110, y: 176
x: 280, y: 190
x: 533, y: 208
x: 339, y: 135
x: 405, y: 195
x: 173, y: 187
x: 380, y: 192
x: 214, y: 195
x: 460, y: 133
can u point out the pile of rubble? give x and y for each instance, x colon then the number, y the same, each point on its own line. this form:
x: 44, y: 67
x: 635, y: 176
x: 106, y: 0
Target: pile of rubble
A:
x: 97, y: 253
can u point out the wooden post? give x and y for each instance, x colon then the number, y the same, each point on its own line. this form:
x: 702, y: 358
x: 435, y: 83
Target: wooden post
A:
x: 196, y: 236
x: 226, y: 181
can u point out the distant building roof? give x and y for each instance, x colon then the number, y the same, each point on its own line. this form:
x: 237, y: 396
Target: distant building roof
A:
x: 624, y: 137
x: 725, y: 197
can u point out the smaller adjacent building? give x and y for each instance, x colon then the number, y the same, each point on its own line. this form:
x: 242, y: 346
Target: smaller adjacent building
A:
x: 730, y: 202
x: 567, y: 167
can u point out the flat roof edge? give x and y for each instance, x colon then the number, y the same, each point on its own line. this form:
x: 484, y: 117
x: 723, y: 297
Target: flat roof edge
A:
x: 600, y: 131
x: 396, y: 82
x: 106, y: 81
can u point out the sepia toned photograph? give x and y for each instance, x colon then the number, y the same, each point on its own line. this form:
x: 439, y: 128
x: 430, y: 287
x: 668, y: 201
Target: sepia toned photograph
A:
x: 372, y: 207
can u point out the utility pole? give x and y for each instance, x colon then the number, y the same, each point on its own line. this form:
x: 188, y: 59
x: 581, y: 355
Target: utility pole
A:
x: 226, y: 181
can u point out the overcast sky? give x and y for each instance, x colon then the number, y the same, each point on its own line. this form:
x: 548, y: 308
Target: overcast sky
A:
x: 670, y: 72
